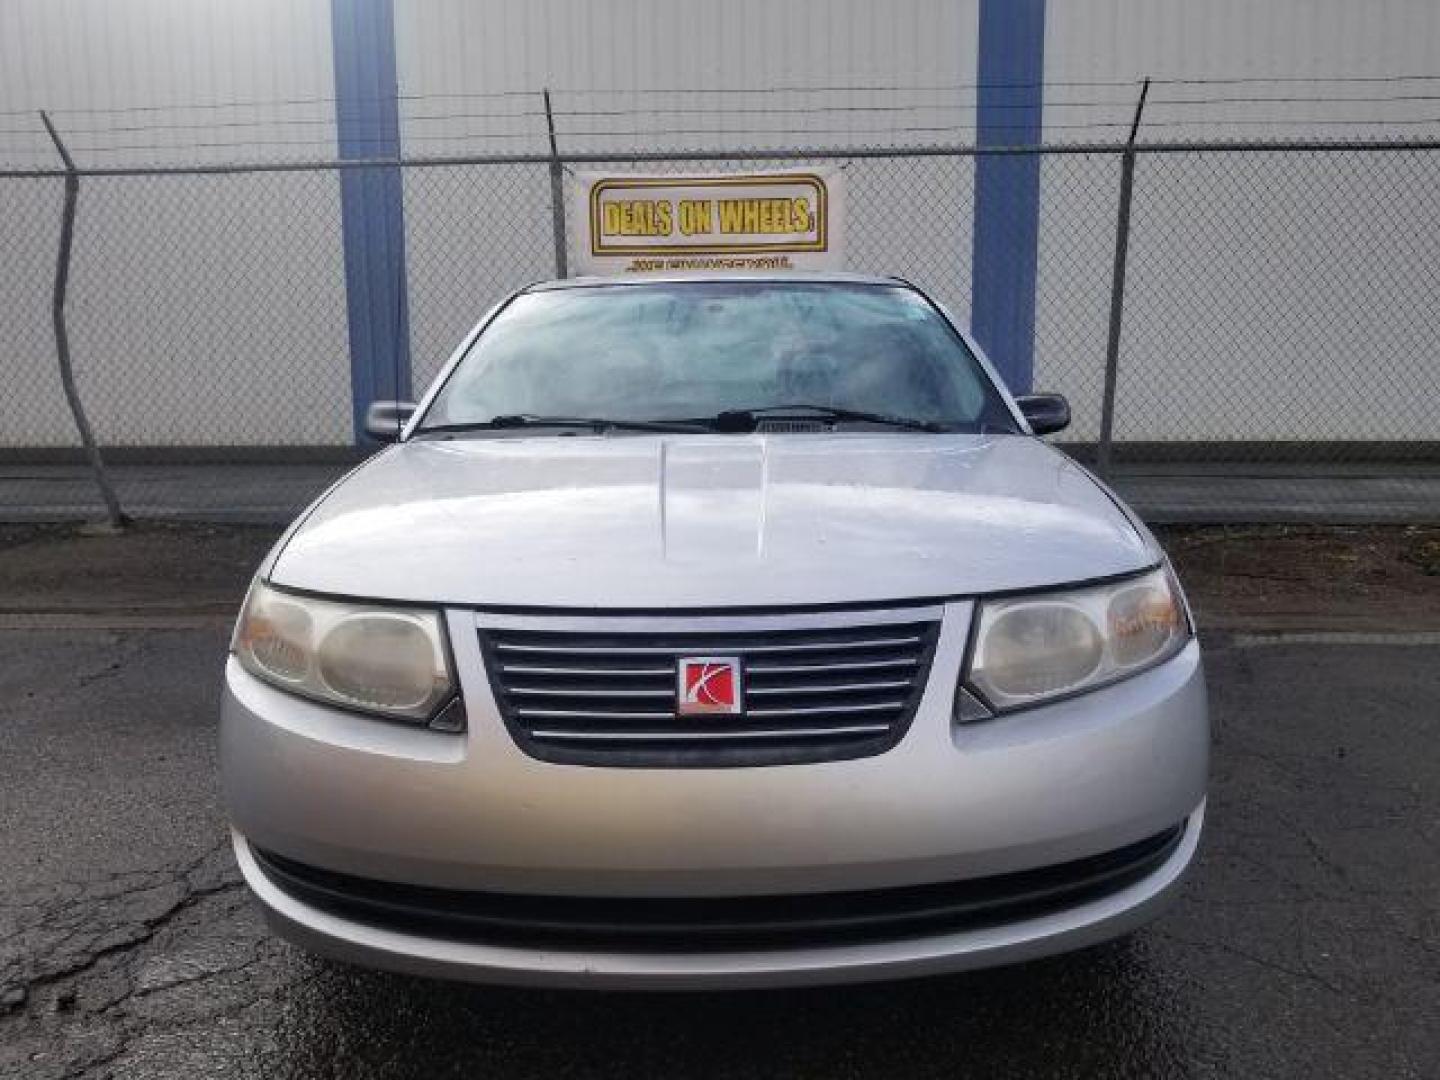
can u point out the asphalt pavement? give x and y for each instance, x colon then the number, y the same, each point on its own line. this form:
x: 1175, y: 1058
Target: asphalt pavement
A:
x: 1306, y: 944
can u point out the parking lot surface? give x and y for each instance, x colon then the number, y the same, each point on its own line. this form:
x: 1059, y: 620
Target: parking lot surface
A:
x: 1307, y: 942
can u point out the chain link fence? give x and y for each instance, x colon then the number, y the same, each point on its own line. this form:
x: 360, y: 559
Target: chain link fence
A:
x: 1279, y: 356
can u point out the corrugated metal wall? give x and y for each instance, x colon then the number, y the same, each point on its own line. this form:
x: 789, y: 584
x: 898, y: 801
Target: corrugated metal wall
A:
x: 1270, y: 298
x: 208, y: 291
x: 184, y: 324
x: 660, y: 75
x: 201, y: 72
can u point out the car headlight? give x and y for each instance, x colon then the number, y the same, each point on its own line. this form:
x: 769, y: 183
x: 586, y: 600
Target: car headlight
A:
x: 1029, y: 649
x: 392, y: 661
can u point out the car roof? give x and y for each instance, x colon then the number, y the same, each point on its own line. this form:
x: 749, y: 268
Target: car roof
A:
x: 794, y: 276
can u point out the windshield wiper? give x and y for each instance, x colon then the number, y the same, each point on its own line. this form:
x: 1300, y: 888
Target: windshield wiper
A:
x: 595, y: 423
x: 746, y: 419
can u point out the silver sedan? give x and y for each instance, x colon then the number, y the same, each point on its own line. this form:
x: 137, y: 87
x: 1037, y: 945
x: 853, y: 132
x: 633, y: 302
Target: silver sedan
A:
x: 714, y: 631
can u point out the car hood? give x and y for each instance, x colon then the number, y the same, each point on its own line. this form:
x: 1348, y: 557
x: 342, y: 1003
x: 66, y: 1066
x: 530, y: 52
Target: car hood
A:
x: 701, y: 521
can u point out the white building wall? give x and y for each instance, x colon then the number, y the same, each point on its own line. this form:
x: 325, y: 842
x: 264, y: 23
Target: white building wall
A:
x: 1270, y: 297
x: 204, y: 310
x: 658, y: 75
x: 213, y: 310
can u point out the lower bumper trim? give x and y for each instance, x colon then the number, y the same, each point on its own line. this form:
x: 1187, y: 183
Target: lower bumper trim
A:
x: 691, y: 925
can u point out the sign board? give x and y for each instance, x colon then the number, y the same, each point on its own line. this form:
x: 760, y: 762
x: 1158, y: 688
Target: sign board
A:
x: 742, y: 221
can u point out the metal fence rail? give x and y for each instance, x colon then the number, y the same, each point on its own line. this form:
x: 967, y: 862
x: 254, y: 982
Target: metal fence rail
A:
x: 1275, y: 354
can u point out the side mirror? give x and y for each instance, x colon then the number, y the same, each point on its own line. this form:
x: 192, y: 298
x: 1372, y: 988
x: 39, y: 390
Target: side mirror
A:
x: 384, y: 419
x: 1046, y: 413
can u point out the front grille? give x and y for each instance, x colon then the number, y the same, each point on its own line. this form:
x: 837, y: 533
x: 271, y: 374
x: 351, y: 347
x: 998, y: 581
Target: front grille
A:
x: 817, y: 688
x: 615, y: 924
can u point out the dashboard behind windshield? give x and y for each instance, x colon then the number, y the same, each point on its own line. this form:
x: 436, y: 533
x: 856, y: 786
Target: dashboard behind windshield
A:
x: 688, y: 350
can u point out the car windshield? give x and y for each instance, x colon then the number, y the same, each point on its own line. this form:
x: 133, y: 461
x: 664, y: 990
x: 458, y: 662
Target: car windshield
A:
x: 692, y: 350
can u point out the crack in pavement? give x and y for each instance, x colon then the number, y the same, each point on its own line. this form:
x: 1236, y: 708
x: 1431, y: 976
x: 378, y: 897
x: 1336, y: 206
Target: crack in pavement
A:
x: 26, y: 974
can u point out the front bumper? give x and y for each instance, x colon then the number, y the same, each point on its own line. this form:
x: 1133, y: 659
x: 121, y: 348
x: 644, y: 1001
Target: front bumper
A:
x: 328, y: 934
x: 948, y: 803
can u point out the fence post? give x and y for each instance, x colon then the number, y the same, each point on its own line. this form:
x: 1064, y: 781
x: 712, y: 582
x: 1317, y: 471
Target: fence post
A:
x: 1104, y: 457
x: 557, y: 193
x: 115, y: 517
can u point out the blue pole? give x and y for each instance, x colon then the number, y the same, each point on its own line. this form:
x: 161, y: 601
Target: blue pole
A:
x: 1009, y: 106
x: 372, y: 213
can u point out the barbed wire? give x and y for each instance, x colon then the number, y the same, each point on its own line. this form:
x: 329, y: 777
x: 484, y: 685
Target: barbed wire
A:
x: 1317, y: 99
x: 1221, y: 80
x: 1296, y: 121
x: 451, y: 117
x: 1335, y: 111
x: 1042, y: 84
x: 817, y: 110
x: 745, y: 110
